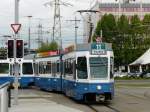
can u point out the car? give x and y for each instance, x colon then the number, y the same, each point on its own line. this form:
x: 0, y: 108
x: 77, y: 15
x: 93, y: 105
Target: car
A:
x: 134, y: 74
x: 145, y: 74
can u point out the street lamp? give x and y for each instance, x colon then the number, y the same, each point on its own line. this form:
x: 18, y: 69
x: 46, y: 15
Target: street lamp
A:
x: 29, y: 33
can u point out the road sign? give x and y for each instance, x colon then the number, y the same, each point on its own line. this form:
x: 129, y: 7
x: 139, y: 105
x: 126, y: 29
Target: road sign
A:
x: 16, y: 27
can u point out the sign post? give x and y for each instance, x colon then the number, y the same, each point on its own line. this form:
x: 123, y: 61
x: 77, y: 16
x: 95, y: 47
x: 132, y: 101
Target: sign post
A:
x: 16, y: 27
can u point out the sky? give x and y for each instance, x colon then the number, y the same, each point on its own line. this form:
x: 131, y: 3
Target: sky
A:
x: 44, y: 15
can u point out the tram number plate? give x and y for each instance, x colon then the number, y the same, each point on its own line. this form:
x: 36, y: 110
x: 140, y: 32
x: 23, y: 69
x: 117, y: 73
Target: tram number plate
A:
x: 98, y: 52
x: 98, y: 49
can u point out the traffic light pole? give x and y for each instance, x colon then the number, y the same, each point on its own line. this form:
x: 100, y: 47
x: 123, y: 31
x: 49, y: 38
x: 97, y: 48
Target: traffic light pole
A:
x: 16, y: 75
x: 15, y: 63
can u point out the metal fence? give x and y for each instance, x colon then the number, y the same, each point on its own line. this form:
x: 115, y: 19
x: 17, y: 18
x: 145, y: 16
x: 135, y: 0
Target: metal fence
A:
x: 4, y: 97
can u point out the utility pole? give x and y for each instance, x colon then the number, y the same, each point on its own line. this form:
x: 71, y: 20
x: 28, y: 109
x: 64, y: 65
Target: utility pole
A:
x: 57, y: 19
x: 76, y: 28
x: 29, y: 33
x: 40, y: 35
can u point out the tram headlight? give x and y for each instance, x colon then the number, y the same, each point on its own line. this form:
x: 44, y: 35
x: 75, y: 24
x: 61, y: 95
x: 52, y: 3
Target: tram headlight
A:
x: 99, y: 87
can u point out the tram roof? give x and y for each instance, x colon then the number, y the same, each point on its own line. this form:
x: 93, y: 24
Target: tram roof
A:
x: 88, y: 47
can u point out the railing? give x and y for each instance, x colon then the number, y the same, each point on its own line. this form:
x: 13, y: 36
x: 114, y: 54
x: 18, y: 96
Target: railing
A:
x: 4, y: 97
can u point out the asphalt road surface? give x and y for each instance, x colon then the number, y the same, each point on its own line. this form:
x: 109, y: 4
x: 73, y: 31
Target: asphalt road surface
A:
x: 128, y: 98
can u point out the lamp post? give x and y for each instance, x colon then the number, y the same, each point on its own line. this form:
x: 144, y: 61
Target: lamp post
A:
x: 29, y: 33
x: 119, y: 10
x: 141, y: 8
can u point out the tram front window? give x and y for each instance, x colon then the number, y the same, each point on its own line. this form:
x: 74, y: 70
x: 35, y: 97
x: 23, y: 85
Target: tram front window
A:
x: 4, y: 68
x: 82, y: 68
x: 27, y: 68
x: 98, y: 67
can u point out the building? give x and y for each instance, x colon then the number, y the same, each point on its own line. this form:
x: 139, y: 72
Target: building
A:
x: 121, y: 8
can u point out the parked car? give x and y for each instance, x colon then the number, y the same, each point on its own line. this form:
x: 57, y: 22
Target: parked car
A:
x: 145, y: 74
x: 134, y: 74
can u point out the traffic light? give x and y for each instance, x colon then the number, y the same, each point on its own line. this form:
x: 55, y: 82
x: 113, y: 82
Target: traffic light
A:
x: 19, y: 49
x: 10, y: 49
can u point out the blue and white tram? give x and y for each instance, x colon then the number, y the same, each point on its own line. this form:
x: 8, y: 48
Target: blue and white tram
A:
x: 88, y: 73
x: 5, y: 72
x: 47, y: 71
x: 25, y: 68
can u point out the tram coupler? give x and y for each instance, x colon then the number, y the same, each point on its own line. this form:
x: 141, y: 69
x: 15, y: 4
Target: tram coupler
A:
x: 100, y: 97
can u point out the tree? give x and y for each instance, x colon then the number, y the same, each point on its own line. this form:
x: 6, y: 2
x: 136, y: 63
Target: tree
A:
x: 48, y: 47
x: 108, y: 25
x: 130, y: 39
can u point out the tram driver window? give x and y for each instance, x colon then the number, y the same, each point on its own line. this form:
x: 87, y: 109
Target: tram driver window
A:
x: 4, y: 68
x: 82, y: 68
x: 27, y: 68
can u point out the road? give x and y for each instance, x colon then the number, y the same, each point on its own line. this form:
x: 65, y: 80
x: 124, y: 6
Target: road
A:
x: 127, y: 99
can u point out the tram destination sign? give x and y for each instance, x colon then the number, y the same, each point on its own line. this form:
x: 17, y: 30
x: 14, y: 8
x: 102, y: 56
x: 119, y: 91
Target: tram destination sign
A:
x: 98, y: 49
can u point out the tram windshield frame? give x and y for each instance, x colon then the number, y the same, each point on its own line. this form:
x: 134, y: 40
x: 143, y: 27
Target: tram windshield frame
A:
x: 4, y: 68
x: 98, y: 67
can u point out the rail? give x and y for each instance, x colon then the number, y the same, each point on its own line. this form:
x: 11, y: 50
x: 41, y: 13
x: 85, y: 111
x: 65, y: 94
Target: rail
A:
x: 4, y: 97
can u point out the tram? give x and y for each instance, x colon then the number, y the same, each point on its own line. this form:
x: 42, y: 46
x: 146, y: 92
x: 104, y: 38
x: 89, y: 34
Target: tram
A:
x: 5, y: 72
x: 24, y: 68
x: 83, y: 73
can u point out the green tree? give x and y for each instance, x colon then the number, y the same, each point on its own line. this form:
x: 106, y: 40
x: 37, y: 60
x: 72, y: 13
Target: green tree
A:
x: 130, y: 39
x: 122, y: 41
x: 48, y: 47
x: 108, y: 25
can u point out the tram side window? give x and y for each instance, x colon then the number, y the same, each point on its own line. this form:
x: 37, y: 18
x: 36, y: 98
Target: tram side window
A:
x: 40, y: 68
x: 48, y: 67
x: 74, y: 69
x: 36, y: 68
x: 69, y: 66
x: 82, y: 68
x: 27, y: 68
x: 54, y: 69
x: 4, y: 68
x: 58, y: 67
x: 111, y: 67
x: 66, y: 66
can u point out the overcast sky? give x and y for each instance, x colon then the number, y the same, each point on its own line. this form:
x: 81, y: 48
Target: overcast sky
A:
x: 43, y: 15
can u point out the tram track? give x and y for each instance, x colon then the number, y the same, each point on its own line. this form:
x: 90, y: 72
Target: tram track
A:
x: 144, y: 97
x: 112, y: 109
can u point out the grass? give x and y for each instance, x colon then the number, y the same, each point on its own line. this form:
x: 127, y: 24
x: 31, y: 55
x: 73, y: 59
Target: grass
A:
x: 130, y: 78
x: 132, y: 85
